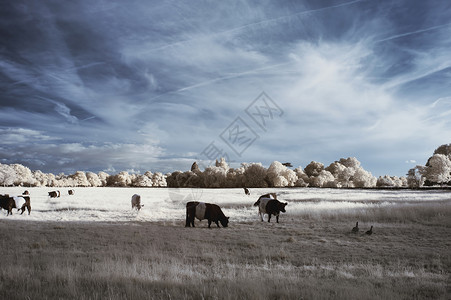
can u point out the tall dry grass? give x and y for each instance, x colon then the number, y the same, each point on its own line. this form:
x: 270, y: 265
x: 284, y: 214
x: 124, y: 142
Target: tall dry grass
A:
x: 309, y: 255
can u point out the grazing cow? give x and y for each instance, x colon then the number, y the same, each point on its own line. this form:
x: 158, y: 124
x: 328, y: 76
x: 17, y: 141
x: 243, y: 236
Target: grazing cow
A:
x: 8, y: 203
x: 356, y: 228
x: 201, y: 210
x: 71, y: 192
x: 136, y: 201
x: 26, y: 193
x: 270, y: 206
x: 246, y: 191
x: 54, y: 194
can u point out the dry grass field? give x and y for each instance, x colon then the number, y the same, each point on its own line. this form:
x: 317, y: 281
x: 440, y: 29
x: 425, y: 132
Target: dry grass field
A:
x: 306, y: 256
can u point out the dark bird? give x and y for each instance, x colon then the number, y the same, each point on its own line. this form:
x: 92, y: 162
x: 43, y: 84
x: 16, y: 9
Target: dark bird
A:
x: 287, y: 164
x: 369, y: 232
x: 356, y: 228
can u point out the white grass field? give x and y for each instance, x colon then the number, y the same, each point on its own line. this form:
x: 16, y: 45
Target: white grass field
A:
x: 92, y: 245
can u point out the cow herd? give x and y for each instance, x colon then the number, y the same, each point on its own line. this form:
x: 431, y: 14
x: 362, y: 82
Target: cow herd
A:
x: 23, y: 201
x: 267, y: 204
x: 20, y: 202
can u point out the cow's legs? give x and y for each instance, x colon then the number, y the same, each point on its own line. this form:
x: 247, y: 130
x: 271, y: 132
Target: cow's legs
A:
x: 187, y: 218
x: 261, y: 216
x: 190, y: 213
x: 269, y: 218
x: 209, y: 223
x: 277, y: 218
x: 217, y: 223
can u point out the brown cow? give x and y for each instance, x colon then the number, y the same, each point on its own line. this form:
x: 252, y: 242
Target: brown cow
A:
x: 201, y: 210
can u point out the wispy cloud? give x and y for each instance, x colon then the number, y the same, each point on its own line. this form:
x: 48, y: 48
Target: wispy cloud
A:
x: 102, y: 84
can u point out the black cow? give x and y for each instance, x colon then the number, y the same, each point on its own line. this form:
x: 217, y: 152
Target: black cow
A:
x: 246, y: 191
x: 8, y: 203
x: 54, y: 194
x: 201, y: 210
x: 270, y: 206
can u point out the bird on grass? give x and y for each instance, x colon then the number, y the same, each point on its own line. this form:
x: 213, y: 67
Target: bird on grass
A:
x: 369, y: 232
x: 356, y: 228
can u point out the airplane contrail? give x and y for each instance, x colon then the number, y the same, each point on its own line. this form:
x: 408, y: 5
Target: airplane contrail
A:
x: 412, y: 32
x: 254, y: 24
x: 204, y: 83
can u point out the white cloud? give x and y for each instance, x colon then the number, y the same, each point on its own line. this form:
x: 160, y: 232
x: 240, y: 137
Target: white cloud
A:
x: 14, y: 136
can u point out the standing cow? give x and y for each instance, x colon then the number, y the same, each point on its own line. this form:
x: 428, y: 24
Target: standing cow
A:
x: 8, y: 203
x: 136, y: 202
x: 54, y: 194
x: 270, y: 206
x: 23, y: 202
x: 19, y: 202
x: 201, y: 210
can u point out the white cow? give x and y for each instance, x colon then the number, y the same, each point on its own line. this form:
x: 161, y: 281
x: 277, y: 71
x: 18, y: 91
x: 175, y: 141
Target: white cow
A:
x: 136, y: 201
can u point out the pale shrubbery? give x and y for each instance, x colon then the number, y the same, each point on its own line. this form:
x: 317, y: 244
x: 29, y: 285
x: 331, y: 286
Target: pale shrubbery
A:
x: 436, y: 172
x: 344, y: 173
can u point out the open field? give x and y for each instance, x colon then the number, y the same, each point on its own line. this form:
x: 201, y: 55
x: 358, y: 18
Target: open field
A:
x: 310, y: 254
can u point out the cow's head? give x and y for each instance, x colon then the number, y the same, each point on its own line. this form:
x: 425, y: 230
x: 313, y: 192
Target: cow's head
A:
x: 225, y: 222
x: 282, y: 206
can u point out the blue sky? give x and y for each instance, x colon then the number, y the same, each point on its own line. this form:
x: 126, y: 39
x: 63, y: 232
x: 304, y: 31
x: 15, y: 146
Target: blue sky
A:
x: 149, y: 85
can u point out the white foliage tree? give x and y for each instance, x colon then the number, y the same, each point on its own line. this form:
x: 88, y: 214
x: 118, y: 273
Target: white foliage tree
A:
x: 93, y: 179
x: 385, y: 181
x: 7, y: 175
x: 103, y: 177
x: 363, y: 179
x: 313, y: 169
x: 41, y: 179
x: 280, y: 176
x: 24, y: 176
x: 158, y: 179
x: 79, y: 179
x: 438, y: 169
x: 323, y: 179
x: 142, y: 181
x: 303, y: 180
